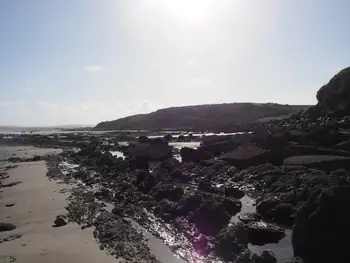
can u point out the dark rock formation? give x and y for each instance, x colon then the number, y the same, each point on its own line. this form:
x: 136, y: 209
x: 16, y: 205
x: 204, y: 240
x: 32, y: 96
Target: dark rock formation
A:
x: 153, y: 152
x: 262, y: 233
x: 60, y: 220
x: 193, y: 155
x: 6, y: 227
x: 322, y: 232
x: 246, y: 156
x: 231, y: 242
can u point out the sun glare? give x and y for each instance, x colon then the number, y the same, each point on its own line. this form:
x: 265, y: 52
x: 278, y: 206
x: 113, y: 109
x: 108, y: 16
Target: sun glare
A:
x: 188, y: 9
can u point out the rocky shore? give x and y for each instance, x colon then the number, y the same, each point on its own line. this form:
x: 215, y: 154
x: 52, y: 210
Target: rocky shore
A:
x: 296, y: 172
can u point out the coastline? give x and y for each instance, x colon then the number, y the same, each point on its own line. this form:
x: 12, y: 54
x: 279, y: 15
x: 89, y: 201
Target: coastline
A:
x: 32, y: 206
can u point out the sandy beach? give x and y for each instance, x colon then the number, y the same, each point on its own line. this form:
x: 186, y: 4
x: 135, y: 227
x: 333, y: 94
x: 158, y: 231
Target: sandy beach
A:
x: 32, y: 205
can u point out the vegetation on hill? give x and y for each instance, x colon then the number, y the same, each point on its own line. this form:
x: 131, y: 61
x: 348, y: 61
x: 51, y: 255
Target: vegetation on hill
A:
x: 201, y: 117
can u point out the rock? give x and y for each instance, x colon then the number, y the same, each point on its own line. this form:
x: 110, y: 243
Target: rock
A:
x: 193, y: 155
x: 219, y: 148
x: 168, y: 137
x: 144, y: 139
x: 325, y: 163
x: 234, y: 192
x: 155, y: 152
x: 273, y: 208
x: 169, y: 191
x: 167, y: 210
x: 232, y: 206
x: 118, y: 210
x: 231, y: 242
x: 266, y: 256
x: 158, y: 141
x: 244, y: 257
x: 344, y: 145
x: 321, y: 232
x: 139, y: 162
x: 36, y: 158
x: 189, y: 202
x: 295, y: 260
x: 61, y: 220
x: 333, y: 98
x: 247, y: 155
x: 249, y: 217
x: 106, y: 159
x: 210, y: 217
x: 260, y: 233
x: 297, y: 150
x: 127, y: 220
x: 6, y: 227
x: 325, y: 137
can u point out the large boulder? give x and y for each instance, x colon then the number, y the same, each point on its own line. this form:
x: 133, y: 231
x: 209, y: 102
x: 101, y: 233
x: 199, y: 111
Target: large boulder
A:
x: 231, y: 242
x: 152, y: 152
x: 193, y: 155
x: 247, y: 155
x: 210, y: 217
x: 321, y: 231
x: 6, y: 226
x: 325, y: 163
x: 260, y: 233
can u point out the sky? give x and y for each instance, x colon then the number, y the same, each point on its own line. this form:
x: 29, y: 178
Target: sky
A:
x: 86, y: 61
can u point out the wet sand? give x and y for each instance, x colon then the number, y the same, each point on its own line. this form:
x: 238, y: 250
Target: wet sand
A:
x: 36, y: 203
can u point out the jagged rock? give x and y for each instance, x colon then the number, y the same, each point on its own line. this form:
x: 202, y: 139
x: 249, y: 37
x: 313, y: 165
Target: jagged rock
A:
x: 262, y: 233
x: 231, y: 242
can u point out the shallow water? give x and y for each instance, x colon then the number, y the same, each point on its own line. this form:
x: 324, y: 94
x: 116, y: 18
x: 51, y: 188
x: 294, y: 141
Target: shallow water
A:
x: 283, y: 250
x: 180, y: 145
x: 117, y: 154
x: 161, y: 251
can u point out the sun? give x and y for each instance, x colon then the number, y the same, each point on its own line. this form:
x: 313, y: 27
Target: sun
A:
x: 188, y: 9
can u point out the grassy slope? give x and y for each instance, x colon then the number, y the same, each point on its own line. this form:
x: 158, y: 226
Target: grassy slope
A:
x: 201, y: 117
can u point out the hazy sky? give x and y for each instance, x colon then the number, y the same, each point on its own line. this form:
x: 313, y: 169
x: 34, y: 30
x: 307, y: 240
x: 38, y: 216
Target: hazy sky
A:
x: 85, y: 61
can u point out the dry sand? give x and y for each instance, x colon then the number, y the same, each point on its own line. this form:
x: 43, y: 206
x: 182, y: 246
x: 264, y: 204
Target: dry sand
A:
x: 37, y: 201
